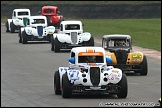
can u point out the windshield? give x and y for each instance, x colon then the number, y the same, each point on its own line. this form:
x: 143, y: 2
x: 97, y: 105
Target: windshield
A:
x: 90, y: 59
x: 118, y: 43
x: 38, y: 21
x: 23, y: 13
x: 72, y: 27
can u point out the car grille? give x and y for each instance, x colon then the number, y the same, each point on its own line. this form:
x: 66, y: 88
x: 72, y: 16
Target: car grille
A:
x: 95, y: 75
x: 40, y: 30
x: 74, y: 37
x: 121, y: 56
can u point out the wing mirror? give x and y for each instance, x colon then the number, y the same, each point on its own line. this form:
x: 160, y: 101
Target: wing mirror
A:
x: 72, y: 60
x: 108, y: 60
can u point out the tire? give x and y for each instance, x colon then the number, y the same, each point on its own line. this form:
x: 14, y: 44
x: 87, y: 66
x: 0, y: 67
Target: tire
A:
x: 52, y: 44
x: 7, y: 27
x: 124, y: 87
x: 19, y: 35
x: 12, y: 30
x: 90, y: 42
x: 57, y: 83
x: 66, y: 87
x: 24, y: 38
x: 144, y: 70
x: 49, y: 37
x: 56, y: 45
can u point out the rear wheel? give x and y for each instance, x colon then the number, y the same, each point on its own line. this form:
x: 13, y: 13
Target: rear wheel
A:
x: 91, y: 41
x: 123, y: 87
x: 12, y: 26
x: 66, y: 87
x: 19, y: 35
x: 57, y: 83
x: 52, y: 44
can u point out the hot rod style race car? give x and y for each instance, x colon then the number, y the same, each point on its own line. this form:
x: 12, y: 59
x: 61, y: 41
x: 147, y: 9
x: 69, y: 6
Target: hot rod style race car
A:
x: 88, y: 73
x: 19, y: 18
x: 36, y: 30
x: 119, y: 48
x: 70, y: 35
x: 53, y: 15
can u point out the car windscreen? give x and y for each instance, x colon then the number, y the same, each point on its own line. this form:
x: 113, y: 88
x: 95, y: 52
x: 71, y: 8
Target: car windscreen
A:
x: 72, y: 27
x: 48, y: 11
x: 38, y: 21
x: 89, y: 59
x: 23, y: 13
x: 118, y: 43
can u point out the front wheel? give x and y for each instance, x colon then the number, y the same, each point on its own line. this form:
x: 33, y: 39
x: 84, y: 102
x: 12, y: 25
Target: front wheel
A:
x: 57, y: 83
x: 66, y: 87
x: 19, y: 35
x: 12, y: 26
x: 144, y: 69
x: 91, y: 41
x: 7, y: 27
x: 56, y: 45
x: 123, y: 87
x: 24, y: 38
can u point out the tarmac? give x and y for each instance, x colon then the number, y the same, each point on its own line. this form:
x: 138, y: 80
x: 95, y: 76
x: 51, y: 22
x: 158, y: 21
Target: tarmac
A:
x: 148, y: 52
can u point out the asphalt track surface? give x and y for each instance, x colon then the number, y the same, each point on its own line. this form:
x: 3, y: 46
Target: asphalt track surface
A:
x: 27, y: 72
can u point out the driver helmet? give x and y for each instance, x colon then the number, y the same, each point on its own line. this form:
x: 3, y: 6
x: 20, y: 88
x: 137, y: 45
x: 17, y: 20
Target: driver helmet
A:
x: 120, y: 43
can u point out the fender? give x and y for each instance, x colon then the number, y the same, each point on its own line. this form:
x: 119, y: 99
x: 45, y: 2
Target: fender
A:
x: 85, y: 36
x: 135, y: 58
x: 63, y: 38
x: 50, y: 29
x: 9, y: 21
x: 29, y: 30
x: 113, y: 75
x: 112, y: 56
x: 62, y: 70
x: 16, y: 22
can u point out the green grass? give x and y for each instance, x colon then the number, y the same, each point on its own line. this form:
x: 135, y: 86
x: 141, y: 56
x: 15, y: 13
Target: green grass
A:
x: 145, y: 33
x: 78, y: 2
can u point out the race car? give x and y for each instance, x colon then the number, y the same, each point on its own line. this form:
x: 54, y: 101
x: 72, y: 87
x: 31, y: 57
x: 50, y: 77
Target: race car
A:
x: 19, y: 18
x: 53, y: 15
x: 119, y: 48
x: 88, y: 73
x: 36, y: 30
x: 70, y: 35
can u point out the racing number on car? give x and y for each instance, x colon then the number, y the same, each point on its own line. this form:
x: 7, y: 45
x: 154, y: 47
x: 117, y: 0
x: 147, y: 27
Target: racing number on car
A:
x: 29, y: 31
x: 74, y: 75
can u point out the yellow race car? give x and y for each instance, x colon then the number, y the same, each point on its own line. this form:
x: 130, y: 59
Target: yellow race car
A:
x: 119, y: 48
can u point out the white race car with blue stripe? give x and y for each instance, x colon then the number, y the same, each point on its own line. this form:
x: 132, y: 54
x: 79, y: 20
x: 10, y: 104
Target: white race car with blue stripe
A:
x: 36, y: 30
x: 88, y: 72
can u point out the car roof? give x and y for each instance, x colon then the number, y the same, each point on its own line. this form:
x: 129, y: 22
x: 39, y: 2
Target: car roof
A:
x: 117, y: 36
x: 21, y: 10
x: 71, y: 22
x: 87, y: 49
x: 37, y: 17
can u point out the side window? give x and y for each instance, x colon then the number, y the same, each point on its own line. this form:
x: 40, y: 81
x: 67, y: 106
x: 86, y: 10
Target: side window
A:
x: 72, y: 54
x: 61, y: 27
x: 14, y: 14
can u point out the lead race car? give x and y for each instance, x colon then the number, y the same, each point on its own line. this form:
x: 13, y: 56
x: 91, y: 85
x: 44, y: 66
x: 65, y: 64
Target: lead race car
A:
x: 119, y: 48
x: 88, y: 73
x: 70, y: 35
x: 36, y: 30
x: 19, y: 18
